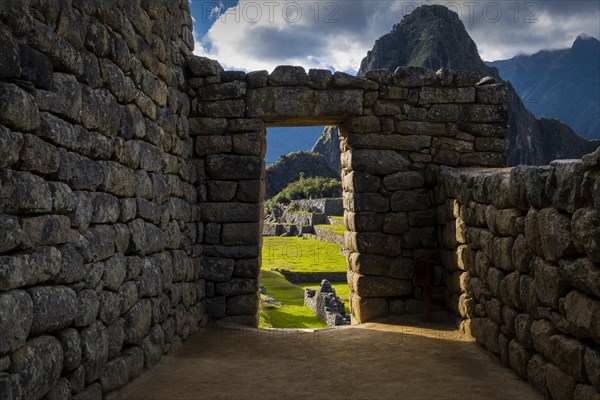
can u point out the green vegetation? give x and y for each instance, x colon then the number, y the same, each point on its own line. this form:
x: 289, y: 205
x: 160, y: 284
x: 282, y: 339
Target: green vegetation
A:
x: 339, y: 229
x: 338, y: 218
x: 297, y: 255
x: 293, y: 313
x: 301, y: 255
x: 306, y: 188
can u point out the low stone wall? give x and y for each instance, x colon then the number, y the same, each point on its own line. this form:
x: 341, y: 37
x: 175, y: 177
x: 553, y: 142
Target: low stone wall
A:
x: 297, y: 277
x: 325, y: 234
x: 323, y: 206
x: 522, y: 262
x: 326, y: 305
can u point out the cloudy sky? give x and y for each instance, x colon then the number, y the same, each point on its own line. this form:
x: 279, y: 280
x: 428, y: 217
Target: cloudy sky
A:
x: 336, y: 34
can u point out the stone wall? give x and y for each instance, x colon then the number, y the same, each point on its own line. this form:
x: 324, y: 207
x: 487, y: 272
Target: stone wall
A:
x: 396, y: 130
x: 99, y: 267
x: 522, y: 265
x: 326, y: 305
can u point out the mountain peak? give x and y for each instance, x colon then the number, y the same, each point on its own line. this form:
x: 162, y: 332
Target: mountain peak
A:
x: 585, y: 44
x: 433, y: 37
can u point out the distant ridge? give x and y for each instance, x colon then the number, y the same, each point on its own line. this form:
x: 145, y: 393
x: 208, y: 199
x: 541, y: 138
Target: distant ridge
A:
x: 562, y: 84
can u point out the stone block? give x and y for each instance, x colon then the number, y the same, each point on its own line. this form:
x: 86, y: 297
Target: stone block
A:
x: 235, y: 287
x: 241, y: 234
x: 568, y: 354
x: 404, y: 180
x: 586, y: 392
x: 592, y: 366
x: 522, y: 255
x: 536, y: 372
x: 203, y: 67
x: 486, y: 331
x: 153, y: 345
x: 231, y: 212
x: 207, y: 126
x: 234, y: 167
x: 432, y: 95
x: 583, y: 315
x: 258, y: 79
x: 16, y: 316
x: 38, y: 156
x: 585, y: 227
x: 29, y: 268
x: 284, y: 102
x: 87, y: 308
x: 19, y: 110
x: 409, y: 200
x: 285, y: 75
x: 71, y: 347
x: 218, y: 269
x: 251, y: 144
x: 389, y: 142
x: 555, y: 234
x: 581, y: 273
x: 550, y: 285
x: 484, y: 113
x: 39, y: 364
x: 24, y: 193
x: 563, y: 186
x: 243, y: 305
x: 360, y: 182
x: 373, y: 243
x: 213, y: 144
x: 54, y: 308
x: 395, y: 223
x: 368, y: 264
x: 420, y: 128
x: 137, y: 322
x: 375, y: 286
x: 559, y: 384
x: 364, y: 310
x: 366, y: 202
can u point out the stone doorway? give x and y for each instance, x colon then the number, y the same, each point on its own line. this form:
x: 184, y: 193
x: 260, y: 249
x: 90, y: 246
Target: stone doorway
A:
x: 397, y: 131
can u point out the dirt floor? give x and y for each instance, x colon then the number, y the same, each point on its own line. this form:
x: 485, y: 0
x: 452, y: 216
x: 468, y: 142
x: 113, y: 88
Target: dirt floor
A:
x: 397, y: 359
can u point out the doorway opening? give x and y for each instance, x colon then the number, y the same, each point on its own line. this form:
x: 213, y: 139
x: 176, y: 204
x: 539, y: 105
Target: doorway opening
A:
x: 303, y: 274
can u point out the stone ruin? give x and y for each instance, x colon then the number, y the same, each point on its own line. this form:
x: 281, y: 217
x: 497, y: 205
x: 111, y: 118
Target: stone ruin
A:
x: 326, y: 305
x: 131, y: 190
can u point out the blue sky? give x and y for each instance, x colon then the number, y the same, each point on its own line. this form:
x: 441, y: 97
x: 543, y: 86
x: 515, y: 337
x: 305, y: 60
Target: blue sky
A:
x: 336, y: 34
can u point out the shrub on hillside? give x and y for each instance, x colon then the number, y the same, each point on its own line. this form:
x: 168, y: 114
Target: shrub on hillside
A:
x: 306, y: 188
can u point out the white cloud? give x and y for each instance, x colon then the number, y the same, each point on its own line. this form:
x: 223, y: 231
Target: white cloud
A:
x: 262, y: 34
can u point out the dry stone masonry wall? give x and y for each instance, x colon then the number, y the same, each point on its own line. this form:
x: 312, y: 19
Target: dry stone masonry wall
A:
x: 132, y: 183
x: 522, y: 264
x: 99, y: 267
x: 396, y: 130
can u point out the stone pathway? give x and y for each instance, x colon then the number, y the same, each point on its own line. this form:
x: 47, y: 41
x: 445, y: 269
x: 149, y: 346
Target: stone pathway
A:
x: 399, y: 359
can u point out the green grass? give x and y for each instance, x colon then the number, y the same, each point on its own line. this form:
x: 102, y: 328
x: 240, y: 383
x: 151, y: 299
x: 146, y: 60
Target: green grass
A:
x: 293, y: 313
x: 339, y: 229
x: 301, y: 255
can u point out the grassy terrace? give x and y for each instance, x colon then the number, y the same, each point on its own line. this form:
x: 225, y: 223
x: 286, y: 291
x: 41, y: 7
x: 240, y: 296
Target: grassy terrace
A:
x: 339, y: 229
x: 293, y: 314
x: 297, y: 255
x: 301, y: 255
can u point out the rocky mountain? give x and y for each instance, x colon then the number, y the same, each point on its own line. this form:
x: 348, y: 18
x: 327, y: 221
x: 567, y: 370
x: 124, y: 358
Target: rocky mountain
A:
x: 288, y: 169
x: 434, y: 37
x: 563, y: 84
x: 328, y: 145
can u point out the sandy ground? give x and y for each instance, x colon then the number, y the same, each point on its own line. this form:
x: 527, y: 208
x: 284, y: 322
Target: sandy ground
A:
x: 396, y: 359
